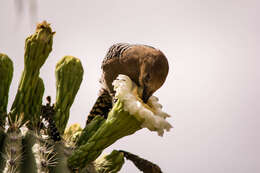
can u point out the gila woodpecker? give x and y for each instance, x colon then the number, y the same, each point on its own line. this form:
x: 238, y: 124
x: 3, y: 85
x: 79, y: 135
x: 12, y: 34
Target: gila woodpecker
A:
x: 145, y: 65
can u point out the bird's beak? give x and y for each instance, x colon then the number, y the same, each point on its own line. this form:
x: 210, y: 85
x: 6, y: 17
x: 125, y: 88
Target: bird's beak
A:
x: 145, y: 95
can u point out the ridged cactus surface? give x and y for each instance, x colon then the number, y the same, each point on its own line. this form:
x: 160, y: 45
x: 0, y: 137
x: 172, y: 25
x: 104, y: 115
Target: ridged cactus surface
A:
x: 33, y: 136
x: 6, y: 74
x: 37, y: 48
x: 119, y: 124
x: 69, y: 74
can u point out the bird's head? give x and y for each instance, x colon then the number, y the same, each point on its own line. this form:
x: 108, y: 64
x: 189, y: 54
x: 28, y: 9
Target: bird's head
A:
x: 154, y: 71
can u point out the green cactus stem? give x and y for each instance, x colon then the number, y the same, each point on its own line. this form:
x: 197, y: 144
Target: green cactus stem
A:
x: 13, y: 153
x: 2, y: 149
x: 6, y: 74
x: 72, y: 134
x: 13, y: 146
x: 44, y: 155
x: 90, y: 130
x: 29, y: 161
x: 118, y: 124
x: 111, y: 163
x: 60, y: 158
x: 69, y: 74
x: 37, y: 48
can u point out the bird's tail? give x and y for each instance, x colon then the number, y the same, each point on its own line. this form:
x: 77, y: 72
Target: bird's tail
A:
x: 102, y: 106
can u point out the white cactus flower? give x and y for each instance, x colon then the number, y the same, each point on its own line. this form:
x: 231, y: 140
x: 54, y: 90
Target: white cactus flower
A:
x: 150, y: 114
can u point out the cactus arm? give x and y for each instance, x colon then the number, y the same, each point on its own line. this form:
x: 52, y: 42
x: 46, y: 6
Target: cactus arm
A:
x: 90, y: 129
x: 44, y: 154
x: 37, y: 48
x: 69, y: 74
x: 119, y: 124
x: 61, y: 158
x: 111, y: 163
x: 28, y: 162
x: 13, y: 151
x: 6, y: 74
x: 2, y: 159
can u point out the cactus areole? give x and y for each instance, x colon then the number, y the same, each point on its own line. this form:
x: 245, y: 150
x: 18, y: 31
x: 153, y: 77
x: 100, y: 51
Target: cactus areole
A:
x: 33, y: 136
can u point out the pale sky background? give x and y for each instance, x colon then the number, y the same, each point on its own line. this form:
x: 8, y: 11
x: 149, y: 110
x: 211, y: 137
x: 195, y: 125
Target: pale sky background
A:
x: 212, y: 90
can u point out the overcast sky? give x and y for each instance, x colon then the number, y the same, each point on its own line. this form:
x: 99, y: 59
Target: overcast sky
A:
x: 212, y: 90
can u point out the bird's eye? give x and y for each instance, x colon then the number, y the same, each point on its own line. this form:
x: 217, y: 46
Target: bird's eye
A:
x: 147, y: 78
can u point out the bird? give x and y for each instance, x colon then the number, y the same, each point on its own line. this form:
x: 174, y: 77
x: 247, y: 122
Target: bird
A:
x: 145, y: 65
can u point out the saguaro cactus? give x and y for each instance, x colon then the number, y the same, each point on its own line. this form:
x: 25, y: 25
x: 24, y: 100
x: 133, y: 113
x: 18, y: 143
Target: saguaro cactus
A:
x: 29, y: 144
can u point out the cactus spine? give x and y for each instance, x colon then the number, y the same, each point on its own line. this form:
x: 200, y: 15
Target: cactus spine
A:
x: 13, y: 145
